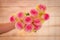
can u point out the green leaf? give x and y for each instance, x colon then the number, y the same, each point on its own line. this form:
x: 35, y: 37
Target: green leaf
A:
x: 27, y: 14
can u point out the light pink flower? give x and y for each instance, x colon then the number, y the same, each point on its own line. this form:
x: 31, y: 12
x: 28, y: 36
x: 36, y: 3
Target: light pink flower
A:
x: 45, y: 16
x: 33, y: 12
x: 20, y: 15
x: 12, y: 19
x: 19, y: 25
x: 28, y: 20
x: 37, y: 21
x: 42, y: 7
x: 28, y: 27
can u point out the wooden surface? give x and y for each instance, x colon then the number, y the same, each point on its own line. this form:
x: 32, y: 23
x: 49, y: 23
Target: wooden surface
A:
x: 50, y: 29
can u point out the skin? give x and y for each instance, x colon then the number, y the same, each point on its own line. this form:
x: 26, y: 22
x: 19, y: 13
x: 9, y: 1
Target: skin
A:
x: 5, y: 27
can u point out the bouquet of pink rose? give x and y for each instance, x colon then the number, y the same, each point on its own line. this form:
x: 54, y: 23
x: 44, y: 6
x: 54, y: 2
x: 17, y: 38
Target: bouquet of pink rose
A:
x: 30, y: 21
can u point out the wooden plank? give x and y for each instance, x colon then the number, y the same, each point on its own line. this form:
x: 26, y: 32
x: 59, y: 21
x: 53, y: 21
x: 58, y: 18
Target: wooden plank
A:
x: 50, y: 29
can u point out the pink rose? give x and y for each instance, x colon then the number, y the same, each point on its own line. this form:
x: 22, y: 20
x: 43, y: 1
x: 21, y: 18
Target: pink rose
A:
x: 42, y: 7
x: 19, y: 25
x: 37, y: 21
x: 28, y: 27
x: 28, y: 20
x: 20, y: 15
x: 45, y: 16
x: 12, y: 19
x: 33, y: 12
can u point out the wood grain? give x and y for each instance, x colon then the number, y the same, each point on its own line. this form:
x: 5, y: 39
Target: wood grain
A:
x: 50, y: 29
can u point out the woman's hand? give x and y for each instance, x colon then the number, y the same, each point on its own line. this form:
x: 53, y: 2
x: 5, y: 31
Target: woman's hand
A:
x: 5, y: 27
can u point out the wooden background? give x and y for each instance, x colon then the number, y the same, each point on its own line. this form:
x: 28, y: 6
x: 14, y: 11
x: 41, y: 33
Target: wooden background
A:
x: 50, y: 29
